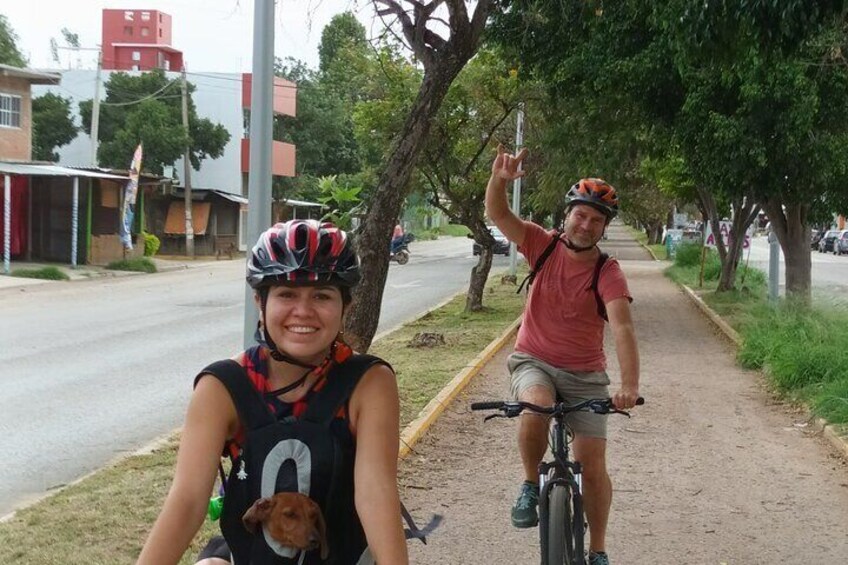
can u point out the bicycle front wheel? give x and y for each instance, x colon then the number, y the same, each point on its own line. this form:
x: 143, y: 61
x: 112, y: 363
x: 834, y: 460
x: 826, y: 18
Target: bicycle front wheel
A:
x: 560, y: 534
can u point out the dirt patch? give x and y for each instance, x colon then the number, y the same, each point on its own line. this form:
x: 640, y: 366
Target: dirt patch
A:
x: 711, y: 470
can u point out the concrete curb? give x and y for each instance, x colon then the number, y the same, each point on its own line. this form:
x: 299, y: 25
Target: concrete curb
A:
x: 828, y: 431
x: 729, y: 332
x: 649, y: 250
x: 416, y: 429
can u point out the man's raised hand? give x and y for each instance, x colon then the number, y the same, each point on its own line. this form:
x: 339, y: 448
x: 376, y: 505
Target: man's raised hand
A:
x: 507, y: 166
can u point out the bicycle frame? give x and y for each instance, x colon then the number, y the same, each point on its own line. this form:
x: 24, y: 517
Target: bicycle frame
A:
x: 561, y: 471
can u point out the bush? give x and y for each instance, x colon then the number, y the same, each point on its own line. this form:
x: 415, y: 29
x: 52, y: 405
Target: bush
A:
x: 46, y: 273
x: 688, y: 255
x: 151, y: 244
x: 138, y: 264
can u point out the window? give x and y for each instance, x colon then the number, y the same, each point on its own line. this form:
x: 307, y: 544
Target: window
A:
x: 167, y: 64
x: 160, y: 32
x: 145, y: 31
x: 135, y: 67
x: 127, y: 30
x: 136, y: 56
x: 129, y: 16
x: 145, y: 16
x: 10, y: 111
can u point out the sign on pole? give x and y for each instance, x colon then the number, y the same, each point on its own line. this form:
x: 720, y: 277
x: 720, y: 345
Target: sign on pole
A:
x: 710, y: 238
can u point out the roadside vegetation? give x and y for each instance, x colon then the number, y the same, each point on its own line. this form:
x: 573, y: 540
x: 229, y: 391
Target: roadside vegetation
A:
x: 658, y: 249
x: 105, y: 517
x: 138, y: 264
x: 802, y: 350
x: 46, y: 273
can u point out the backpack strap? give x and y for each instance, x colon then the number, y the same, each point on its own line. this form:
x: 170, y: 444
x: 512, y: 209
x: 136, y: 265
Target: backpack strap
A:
x: 540, y: 262
x: 252, y: 410
x: 596, y: 276
x: 341, y: 381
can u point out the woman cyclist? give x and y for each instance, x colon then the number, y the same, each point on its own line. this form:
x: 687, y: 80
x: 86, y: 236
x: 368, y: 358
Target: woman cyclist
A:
x: 302, y: 273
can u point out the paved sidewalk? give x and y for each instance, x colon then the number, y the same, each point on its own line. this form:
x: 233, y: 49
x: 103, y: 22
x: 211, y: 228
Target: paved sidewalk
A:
x: 88, y: 272
x: 711, y: 470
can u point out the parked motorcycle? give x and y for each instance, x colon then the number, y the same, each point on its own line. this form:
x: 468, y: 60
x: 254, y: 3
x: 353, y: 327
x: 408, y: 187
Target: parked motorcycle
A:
x: 399, y: 249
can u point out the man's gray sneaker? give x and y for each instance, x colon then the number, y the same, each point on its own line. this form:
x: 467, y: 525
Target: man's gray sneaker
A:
x: 524, y: 513
x: 598, y: 559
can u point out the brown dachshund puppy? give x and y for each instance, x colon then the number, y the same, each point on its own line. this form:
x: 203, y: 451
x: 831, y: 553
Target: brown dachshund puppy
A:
x: 291, y: 518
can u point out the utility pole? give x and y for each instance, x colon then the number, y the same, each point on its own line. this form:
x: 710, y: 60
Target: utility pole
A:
x: 95, y: 110
x: 189, y: 228
x: 516, y: 186
x: 261, y: 138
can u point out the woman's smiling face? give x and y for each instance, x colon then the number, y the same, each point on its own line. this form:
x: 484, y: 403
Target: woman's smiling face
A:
x: 304, y: 320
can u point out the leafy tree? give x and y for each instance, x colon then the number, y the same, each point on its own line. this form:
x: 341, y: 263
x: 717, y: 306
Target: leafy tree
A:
x: 323, y: 128
x: 751, y: 95
x: 147, y: 109
x: 342, y: 201
x: 9, y: 52
x: 52, y: 126
x: 443, y: 54
x: 456, y: 158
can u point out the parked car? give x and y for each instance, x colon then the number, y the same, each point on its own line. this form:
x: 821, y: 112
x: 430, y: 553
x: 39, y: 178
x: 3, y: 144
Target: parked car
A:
x: 840, y: 244
x: 826, y: 242
x: 501, y: 243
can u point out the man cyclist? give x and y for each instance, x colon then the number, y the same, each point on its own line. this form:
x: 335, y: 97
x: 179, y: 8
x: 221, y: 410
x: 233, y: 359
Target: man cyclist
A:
x: 559, y: 348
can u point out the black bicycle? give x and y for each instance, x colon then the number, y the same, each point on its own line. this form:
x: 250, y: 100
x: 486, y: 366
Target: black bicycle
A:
x: 561, y: 521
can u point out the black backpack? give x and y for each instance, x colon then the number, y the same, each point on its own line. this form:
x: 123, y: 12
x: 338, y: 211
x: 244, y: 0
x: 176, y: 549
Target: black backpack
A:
x: 296, y: 455
x: 540, y: 262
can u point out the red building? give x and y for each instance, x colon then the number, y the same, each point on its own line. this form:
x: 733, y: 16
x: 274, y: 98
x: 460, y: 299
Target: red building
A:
x: 138, y: 40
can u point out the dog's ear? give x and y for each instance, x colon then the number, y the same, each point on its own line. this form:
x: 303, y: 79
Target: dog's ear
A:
x: 257, y: 514
x: 322, y: 535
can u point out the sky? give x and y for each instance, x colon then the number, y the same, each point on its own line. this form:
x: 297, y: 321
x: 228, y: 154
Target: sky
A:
x: 214, y: 35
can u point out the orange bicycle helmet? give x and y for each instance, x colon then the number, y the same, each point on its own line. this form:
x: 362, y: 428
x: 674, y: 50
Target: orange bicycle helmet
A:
x: 597, y: 193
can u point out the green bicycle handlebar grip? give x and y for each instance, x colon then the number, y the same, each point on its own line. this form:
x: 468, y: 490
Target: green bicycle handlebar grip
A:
x: 216, y: 505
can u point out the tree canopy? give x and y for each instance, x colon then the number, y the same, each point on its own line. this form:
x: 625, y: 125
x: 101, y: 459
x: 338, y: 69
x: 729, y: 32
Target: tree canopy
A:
x: 147, y: 109
x: 751, y: 96
x: 9, y: 52
x: 52, y: 126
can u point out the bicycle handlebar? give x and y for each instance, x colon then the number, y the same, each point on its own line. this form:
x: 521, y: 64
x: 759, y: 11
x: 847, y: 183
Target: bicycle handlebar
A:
x: 512, y: 409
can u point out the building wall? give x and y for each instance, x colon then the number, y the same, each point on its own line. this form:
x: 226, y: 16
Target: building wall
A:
x: 218, y: 97
x: 150, y: 27
x: 16, y: 143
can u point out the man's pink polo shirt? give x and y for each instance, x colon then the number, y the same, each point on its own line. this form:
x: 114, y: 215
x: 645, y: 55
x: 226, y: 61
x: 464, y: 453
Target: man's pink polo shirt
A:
x: 561, y: 325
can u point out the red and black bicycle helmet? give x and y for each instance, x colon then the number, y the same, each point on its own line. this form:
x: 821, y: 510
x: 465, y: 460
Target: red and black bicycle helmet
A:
x: 300, y: 252
x: 597, y: 193
x: 303, y: 251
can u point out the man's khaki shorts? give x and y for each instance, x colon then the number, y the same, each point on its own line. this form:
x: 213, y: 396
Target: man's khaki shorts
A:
x: 528, y: 371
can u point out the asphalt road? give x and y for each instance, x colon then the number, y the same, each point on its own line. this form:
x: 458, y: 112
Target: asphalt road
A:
x: 829, y: 272
x: 93, y: 369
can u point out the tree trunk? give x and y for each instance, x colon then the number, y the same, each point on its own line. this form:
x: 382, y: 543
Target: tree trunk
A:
x: 790, y: 223
x: 479, y: 276
x: 745, y: 211
x: 375, y: 236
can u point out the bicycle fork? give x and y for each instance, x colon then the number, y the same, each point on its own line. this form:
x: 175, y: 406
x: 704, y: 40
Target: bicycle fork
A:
x: 551, y: 474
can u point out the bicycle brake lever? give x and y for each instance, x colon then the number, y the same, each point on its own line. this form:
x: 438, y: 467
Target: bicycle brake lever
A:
x: 489, y: 417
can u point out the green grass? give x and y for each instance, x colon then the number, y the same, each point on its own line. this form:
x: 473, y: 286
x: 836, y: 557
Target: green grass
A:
x: 105, y: 518
x: 802, y: 350
x: 46, y: 273
x: 454, y: 230
x: 138, y: 264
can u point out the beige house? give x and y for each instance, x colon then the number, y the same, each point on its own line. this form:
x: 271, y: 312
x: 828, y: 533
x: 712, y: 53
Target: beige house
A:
x: 16, y: 110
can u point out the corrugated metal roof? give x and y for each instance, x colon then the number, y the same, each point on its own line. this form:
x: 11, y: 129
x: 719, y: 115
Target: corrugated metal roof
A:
x: 34, y: 77
x: 230, y: 196
x: 53, y: 171
x: 302, y: 203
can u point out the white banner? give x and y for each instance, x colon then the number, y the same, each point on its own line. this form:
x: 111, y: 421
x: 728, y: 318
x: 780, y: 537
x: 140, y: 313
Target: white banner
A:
x: 710, y: 240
